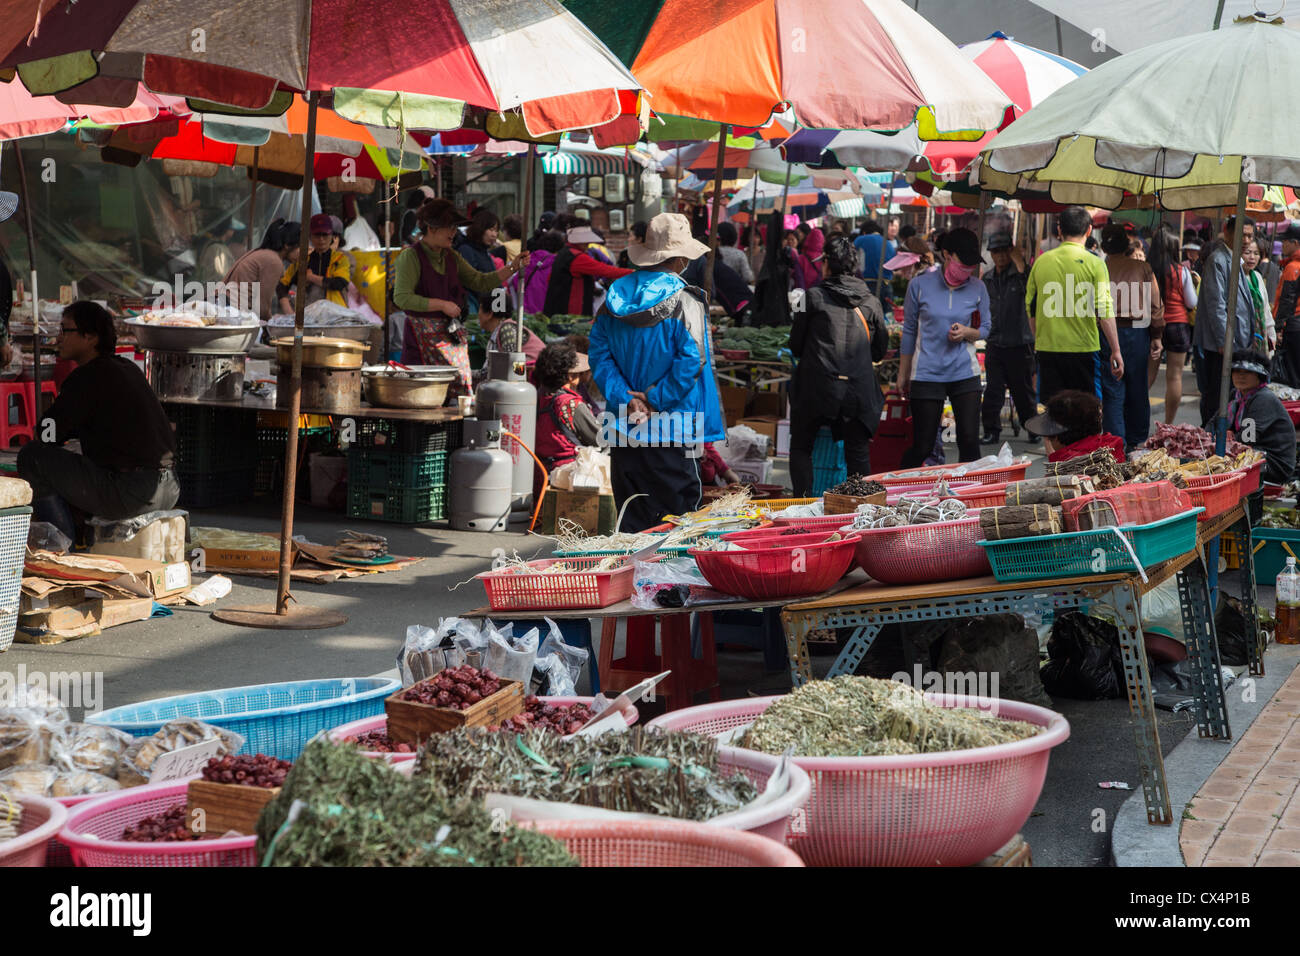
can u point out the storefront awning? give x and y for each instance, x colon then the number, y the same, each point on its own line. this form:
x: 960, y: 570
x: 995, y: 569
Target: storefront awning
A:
x: 586, y: 164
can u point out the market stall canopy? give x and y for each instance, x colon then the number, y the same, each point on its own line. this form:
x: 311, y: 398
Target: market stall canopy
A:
x: 1111, y: 22
x: 451, y: 53
x: 1143, y: 124
x: 839, y: 64
x: 23, y: 115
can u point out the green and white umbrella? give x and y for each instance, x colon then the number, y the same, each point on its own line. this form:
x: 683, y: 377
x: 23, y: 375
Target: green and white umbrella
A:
x: 1190, y: 120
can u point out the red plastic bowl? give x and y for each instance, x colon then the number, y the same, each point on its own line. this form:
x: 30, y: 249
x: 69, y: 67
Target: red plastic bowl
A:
x: 778, y: 572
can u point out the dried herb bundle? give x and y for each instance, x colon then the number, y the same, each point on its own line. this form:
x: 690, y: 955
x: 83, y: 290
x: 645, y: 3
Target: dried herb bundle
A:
x: 360, y: 812
x: 863, y: 716
x: 671, y: 774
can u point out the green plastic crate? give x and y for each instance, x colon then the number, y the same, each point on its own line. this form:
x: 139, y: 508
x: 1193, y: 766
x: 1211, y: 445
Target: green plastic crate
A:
x: 211, y: 439
x: 1099, y: 551
x: 1271, y: 547
x: 402, y: 505
x: 380, y: 469
x: 406, y: 438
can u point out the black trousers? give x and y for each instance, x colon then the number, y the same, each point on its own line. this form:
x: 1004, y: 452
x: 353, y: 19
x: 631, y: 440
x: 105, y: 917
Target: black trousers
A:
x: 54, y: 472
x: 668, y: 480
x: 927, y: 412
x: 1008, y: 368
x: 803, y: 436
x: 1209, y: 379
x: 1058, y: 371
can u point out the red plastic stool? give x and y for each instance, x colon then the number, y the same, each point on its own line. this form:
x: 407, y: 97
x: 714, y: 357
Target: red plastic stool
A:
x: 48, y: 387
x: 16, y: 398
x: 690, y: 675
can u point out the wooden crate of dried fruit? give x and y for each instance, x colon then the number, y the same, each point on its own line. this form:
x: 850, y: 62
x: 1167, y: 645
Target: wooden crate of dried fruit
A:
x: 226, y: 806
x: 847, y: 504
x: 410, y: 721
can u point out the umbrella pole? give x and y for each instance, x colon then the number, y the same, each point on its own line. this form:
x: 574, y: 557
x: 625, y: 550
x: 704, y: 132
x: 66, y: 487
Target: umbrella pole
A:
x: 723, y: 130
x: 388, y: 272
x: 36, y: 301
x: 884, y: 241
x: 282, y: 615
x: 529, y: 176
x: 753, y: 220
x: 252, y: 201
x: 1230, y: 327
x: 785, y: 191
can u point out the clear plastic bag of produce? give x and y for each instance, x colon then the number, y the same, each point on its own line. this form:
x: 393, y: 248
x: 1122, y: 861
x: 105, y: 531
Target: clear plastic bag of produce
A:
x: 33, y: 778
x: 551, y: 678
x: 473, y: 645
x: 29, y: 736
x: 575, y: 658
x: 135, y: 766
x: 128, y: 528
x: 673, y: 583
x: 43, y: 536
x: 79, y: 783
x: 428, y: 650
x: 1005, y: 458
x: 512, y: 658
x: 89, y: 747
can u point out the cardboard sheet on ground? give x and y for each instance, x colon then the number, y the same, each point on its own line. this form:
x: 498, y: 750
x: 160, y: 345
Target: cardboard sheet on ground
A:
x: 258, y: 555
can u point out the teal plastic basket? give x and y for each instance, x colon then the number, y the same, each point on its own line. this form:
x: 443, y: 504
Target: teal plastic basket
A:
x: 1099, y: 551
x: 682, y: 548
x: 274, y: 719
x: 601, y: 554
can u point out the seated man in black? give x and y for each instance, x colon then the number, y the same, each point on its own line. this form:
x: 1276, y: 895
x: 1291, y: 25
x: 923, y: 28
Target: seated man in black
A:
x: 127, y: 443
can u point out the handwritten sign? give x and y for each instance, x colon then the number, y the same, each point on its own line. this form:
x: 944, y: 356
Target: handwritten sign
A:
x: 184, y: 763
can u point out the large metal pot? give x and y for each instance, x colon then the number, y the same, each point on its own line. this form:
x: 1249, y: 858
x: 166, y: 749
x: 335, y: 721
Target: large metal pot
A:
x: 208, y: 340
x: 322, y: 352
x: 416, y: 386
x: 189, y: 375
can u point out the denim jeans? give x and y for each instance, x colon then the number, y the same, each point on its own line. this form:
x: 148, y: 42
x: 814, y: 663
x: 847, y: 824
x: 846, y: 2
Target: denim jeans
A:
x: 1126, y: 403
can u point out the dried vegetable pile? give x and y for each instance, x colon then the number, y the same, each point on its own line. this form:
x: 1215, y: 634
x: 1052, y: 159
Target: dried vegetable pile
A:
x: 1188, y: 441
x: 858, y: 487
x: 354, y: 811
x: 669, y: 774
x: 865, y: 717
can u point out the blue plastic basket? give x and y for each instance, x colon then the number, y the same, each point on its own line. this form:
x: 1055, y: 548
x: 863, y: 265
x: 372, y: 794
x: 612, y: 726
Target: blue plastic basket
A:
x: 274, y: 719
x: 1099, y: 551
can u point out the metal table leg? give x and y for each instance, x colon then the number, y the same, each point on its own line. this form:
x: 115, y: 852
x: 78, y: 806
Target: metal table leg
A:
x: 1146, y: 733
x: 1203, y: 651
x: 797, y: 627
x: 1249, y: 597
x: 856, y: 649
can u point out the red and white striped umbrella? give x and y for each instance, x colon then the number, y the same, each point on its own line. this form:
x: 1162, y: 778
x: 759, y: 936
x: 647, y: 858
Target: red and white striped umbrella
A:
x: 1026, y: 74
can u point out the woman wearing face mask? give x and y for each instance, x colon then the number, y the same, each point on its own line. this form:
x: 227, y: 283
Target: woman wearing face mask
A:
x: 944, y: 314
x: 429, y: 286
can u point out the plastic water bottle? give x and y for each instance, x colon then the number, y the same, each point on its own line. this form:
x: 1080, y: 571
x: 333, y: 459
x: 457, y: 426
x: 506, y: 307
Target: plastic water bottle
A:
x: 1288, y: 605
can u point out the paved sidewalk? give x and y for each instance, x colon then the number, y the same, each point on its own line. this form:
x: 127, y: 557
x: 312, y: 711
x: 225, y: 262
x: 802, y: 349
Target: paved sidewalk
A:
x: 1248, y: 812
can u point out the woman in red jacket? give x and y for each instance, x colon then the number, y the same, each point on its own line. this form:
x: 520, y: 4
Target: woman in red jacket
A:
x: 1071, y: 426
x: 564, y: 420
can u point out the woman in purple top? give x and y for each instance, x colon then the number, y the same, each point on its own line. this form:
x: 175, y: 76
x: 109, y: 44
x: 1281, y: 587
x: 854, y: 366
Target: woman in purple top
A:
x: 945, y: 313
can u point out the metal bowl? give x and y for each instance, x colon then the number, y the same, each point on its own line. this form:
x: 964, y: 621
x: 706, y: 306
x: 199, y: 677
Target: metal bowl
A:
x: 358, y: 333
x: 417, y: 386
x: 210, y: 339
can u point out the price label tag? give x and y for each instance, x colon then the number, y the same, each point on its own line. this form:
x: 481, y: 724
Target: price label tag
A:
x: 65, y: 295
x: 184, y: 763
x: 176, y: 576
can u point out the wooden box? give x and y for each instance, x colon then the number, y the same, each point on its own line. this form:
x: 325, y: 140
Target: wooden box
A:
x: 410, y: 722
x: 847, y: 504
x: 227, y: 806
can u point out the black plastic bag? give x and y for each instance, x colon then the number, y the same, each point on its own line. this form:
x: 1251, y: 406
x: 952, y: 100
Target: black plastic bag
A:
x: 996, y: 643
x: 1084, y: 659
x: 1230, y: 625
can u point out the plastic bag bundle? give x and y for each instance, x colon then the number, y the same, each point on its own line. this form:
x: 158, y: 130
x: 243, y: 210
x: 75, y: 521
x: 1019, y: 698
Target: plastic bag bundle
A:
x: 512, y: 658
x: 1126, y: 505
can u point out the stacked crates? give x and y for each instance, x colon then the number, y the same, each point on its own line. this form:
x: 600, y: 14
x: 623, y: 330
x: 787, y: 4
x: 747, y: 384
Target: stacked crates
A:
x: 828, y: 462
x: 397, y: 471
x: 216, y: 455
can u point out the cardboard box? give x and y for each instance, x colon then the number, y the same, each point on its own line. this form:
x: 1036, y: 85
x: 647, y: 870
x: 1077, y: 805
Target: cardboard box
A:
x: 733, y: 398
x: 240, y: 559
x: 595, y: 513
x: 764, y: 426
x: 754, y: 472
x: 59, y: 624
x: 160, y: 540
x: 768, y: 404
x: 135, y: 576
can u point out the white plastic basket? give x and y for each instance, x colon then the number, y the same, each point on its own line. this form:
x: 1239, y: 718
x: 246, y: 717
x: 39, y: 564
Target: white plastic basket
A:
x: 14, y: 524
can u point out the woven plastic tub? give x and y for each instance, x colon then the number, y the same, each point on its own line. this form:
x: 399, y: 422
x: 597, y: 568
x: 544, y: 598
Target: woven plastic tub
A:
x: 1249, y: 482
x: 972, y: 496
x: 42, y: 819
x: 944, y: 809
x: 777, y: 572
x: 923, y: 488
x: 773, y: 819
x: 358, y: 727
x: 14, y: 523
x: 274, y: 719
x: 827, y: 523
x: 94, y: 830
x: 921, y: 553
x: 509, y: 589
x: 1099, y: 551
x: 1217, y: 497
x: 664, y: 843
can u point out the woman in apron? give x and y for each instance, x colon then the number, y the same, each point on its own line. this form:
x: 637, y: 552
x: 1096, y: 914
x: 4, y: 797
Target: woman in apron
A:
x: 429, y: 285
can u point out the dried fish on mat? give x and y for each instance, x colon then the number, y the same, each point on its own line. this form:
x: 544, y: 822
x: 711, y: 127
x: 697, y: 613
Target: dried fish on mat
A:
x: 866, y: 717
x: 669, y: 774
x: 340, y: 808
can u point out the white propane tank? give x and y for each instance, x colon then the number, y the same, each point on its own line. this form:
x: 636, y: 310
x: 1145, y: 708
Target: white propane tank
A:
x: 507, y: 397
x: 479, y: 490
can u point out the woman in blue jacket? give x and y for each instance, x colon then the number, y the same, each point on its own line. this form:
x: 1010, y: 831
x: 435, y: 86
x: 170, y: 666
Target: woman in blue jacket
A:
x: 944, y: 314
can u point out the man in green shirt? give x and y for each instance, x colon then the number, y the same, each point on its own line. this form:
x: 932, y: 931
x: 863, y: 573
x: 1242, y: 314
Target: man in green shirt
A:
x: 1068, y: 298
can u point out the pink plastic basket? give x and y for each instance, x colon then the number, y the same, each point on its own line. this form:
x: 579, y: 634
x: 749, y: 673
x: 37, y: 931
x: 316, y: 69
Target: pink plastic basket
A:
x: 1218, y: 496
x: 973, y: 496
x: 665, y: 843
x: 920, y: 553
x: 983, y: 476
x: 94, y: 833
x: 944, y: 809
x: 42, y: 819
x: 777, y: 572
x: 511, y: 590
x: 357, y: 727
x: 892, y: 492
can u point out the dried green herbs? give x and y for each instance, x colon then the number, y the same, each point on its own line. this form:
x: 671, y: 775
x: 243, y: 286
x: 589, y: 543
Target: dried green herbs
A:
x: 354, y: 811
x: 863, y: 716
x: 670, y: 774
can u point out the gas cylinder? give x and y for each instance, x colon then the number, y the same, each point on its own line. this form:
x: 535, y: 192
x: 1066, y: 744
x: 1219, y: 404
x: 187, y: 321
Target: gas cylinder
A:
x: 479, y: 486
x: 507, y: 397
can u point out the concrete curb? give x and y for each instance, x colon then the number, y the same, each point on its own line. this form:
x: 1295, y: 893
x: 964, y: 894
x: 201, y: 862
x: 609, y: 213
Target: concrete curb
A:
x: 1134, y: 841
